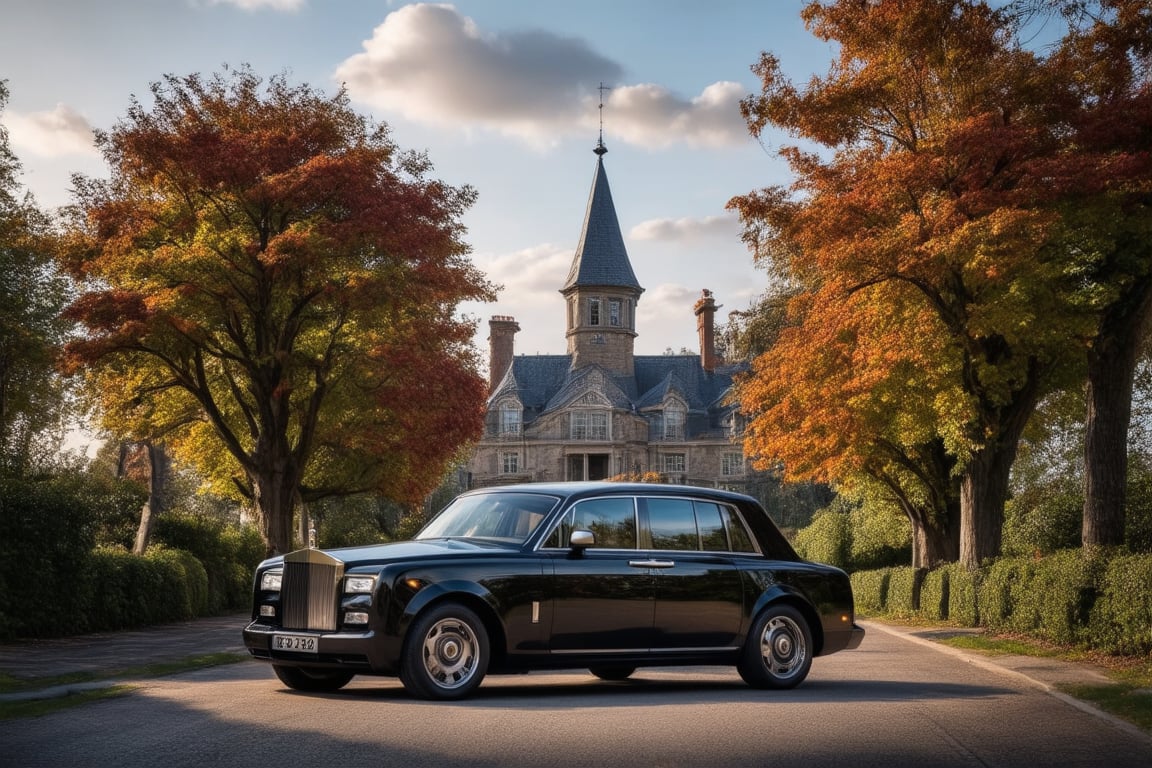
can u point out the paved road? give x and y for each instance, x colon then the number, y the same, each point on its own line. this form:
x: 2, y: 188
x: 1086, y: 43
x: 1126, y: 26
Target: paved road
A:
x: 897, y: 701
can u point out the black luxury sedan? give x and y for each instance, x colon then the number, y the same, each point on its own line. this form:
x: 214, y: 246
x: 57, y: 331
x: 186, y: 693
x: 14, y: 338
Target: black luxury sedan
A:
x: 604, y: 576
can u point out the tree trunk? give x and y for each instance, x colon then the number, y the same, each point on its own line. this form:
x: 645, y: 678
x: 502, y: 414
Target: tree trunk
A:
x: 1112, y: 362
x: 159, y: 470
x: 274, y: 496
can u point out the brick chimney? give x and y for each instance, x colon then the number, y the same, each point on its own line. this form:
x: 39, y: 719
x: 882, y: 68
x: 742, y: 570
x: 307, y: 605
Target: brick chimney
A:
x: 705, y: 309
x: 501, y: 335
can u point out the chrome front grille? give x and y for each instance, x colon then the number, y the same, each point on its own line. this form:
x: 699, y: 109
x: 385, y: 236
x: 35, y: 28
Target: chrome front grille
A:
x: 309, y: 590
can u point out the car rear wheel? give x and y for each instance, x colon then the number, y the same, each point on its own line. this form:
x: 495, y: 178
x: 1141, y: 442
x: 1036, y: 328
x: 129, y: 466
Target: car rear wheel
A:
x: 314, y: 680
x: 612, y: 673
x: 445, y: 654
x: 778, y: 652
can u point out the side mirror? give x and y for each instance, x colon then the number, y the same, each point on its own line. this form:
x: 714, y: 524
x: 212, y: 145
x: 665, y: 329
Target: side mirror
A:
x: 580, y: 540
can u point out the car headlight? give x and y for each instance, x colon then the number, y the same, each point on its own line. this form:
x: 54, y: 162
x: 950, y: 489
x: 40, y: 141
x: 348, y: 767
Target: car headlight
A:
x: 359, y: 585
x: 270, y: 580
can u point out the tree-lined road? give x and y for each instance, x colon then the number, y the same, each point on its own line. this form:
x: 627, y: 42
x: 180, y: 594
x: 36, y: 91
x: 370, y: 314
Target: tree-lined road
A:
x: 891, y: 703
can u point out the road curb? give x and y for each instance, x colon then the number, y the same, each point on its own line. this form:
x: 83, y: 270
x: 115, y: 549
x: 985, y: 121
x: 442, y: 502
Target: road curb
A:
x: 989, y: 663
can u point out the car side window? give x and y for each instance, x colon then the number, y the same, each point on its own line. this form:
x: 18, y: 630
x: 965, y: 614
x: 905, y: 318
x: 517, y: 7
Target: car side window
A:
x: 713, y: 537
x: 672, y: 523
x: 738, y: 535
x: 612, y: 521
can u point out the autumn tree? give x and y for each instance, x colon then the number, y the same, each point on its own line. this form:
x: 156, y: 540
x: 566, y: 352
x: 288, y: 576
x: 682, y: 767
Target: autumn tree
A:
x: 922, y: 196
x: 1105, y: 174
x: 32, y: 294
x: 271, y: 290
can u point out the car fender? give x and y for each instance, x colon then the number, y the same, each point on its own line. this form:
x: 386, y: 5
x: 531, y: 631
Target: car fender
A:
x: 467, y: 591
x: 789, y: 594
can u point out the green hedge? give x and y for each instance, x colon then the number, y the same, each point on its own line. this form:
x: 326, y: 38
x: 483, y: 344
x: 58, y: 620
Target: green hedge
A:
x: 904, y: 591
x: 1074, y: 597
x: 870, y: 590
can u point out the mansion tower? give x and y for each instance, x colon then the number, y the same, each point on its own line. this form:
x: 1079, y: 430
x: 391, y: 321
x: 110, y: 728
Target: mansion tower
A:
x: 600, y: 410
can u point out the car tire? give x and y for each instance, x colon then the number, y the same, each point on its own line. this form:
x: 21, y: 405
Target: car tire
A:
x: 445, y: 653
x: 612, y: 673
x: 312, y: 680
x: 778, y: 651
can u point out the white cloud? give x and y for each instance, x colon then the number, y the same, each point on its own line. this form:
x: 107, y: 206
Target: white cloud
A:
x: 434, y: 65
x: 650, y: 115
x: 63, y: 131
x: 529, y: 276
x: 688, y: 229
x: 256, y: 5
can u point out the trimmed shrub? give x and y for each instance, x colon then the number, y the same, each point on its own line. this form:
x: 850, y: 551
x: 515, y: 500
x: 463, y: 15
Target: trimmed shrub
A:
x: 904, y: 591
x: 126, y: 591
x: 827, y: 540
x: 934, y: 594
x: 194, y: 575
x: 1121, y: 619
x: 963, y: 587
x: 1001, y: 588
x: 870, y: 590
x: 219, y: 547
x: 1058, y: 599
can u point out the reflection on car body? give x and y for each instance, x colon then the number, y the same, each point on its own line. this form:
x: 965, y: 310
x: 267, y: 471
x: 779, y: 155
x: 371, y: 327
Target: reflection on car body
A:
x: 605, y: 576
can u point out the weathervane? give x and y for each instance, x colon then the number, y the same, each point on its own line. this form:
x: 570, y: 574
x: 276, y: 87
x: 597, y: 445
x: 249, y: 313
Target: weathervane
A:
x: 600, y: 148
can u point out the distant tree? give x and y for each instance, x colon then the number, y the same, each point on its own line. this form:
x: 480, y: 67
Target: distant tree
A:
x: 272, y: 290
x: 32, y: 294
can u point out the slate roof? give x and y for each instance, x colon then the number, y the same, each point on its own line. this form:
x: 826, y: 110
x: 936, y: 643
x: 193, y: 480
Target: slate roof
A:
x: 545, y: 383
x: 601, y: 258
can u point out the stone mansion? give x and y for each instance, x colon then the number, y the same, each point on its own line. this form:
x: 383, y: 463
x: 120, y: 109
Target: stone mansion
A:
x: 600, y: 410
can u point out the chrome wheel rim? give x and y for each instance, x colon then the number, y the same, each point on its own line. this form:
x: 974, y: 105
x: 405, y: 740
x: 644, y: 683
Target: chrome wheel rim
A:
x: 782, y: 647
x: 450, y: 653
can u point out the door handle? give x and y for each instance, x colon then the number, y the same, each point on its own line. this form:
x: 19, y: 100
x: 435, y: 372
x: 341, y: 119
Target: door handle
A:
x: 651, y: 563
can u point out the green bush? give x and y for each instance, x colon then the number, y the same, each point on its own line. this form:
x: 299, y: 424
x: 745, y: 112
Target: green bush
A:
x: 934, y: 594
x: 220, y: 547
x: 123, y: 591
x: 1121, y: 618
x: 904, y: 591
x: 194, y: 576
x: 870, y: 590
x: 963, y: 588
x: 1056, y: 602
x: 827, y: 540
x: 1002, y: 586
x: 45, y: 540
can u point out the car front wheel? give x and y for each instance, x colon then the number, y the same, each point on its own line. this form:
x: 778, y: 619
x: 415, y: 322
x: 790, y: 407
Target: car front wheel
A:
x: 313, y: 680
x: 445, y: 654
x: 778, y: 652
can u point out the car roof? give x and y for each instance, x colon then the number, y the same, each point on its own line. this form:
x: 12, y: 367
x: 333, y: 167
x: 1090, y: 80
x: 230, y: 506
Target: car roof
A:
x: 577, y: 489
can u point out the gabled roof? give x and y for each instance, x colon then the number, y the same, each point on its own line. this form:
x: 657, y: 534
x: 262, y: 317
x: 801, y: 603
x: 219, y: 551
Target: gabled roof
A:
x: 544, y: 383
x: 601, y: 259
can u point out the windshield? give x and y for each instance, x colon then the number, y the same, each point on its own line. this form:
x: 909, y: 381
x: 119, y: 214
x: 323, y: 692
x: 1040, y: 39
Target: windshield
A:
x: 510, y: 517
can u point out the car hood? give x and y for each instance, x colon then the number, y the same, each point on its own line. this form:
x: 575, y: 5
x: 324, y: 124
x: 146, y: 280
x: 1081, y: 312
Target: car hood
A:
x: 411, y: 550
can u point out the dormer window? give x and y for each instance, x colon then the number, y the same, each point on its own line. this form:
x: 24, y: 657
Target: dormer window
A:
x: 509, y: 418
x: 674, y: 418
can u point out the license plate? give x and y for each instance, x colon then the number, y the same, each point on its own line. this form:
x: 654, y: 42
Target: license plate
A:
x: 295, y: 643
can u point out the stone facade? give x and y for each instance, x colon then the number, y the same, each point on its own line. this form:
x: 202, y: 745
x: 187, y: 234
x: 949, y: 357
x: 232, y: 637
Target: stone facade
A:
x: 600, y: 411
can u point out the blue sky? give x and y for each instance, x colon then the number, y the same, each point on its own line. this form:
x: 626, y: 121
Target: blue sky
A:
x: 500, y: 93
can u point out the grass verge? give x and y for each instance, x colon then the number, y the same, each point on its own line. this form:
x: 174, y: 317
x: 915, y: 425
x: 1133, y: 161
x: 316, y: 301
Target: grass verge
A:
x: 35, y: 707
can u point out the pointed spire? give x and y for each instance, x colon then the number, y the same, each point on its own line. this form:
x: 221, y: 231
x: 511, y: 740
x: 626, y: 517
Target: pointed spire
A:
x: 601, y: 258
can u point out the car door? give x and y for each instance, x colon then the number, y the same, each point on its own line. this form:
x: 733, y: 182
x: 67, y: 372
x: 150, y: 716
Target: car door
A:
x: 601, y: 600
x: 699, y: 595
